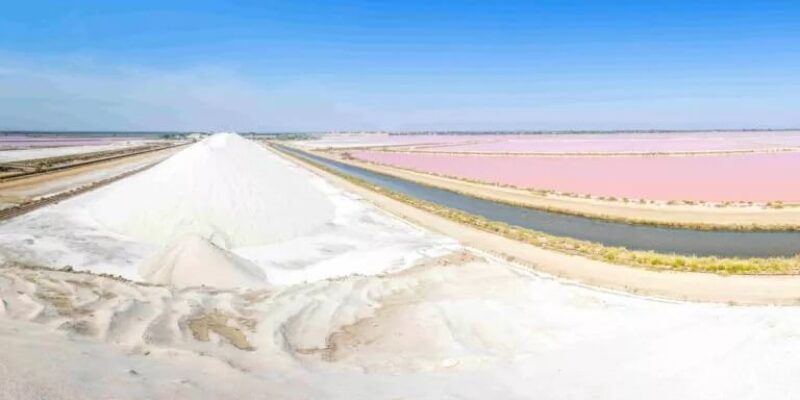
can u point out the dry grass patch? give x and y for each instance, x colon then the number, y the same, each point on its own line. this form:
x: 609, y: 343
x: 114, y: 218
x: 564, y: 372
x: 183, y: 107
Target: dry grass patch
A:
x: 217, y: 322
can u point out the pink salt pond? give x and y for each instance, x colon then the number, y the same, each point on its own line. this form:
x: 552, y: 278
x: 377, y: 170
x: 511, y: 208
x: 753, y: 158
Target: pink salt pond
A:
x: 623, y: 143
x: 758, y: 177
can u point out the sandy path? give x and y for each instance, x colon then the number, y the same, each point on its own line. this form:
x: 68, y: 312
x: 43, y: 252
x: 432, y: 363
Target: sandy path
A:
x: 702, y: 287
x: 705, y: 216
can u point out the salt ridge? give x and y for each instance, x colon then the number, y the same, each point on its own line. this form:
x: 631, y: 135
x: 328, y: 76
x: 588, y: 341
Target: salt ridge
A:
x: 226, y: 189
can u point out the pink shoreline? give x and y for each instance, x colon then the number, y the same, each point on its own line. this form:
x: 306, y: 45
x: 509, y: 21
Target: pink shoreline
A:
x: 758, y: 177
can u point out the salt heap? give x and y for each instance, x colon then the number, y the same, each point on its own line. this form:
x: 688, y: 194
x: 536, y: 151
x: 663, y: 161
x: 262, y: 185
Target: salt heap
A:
x: 194, y: 261
x: 226, y: 189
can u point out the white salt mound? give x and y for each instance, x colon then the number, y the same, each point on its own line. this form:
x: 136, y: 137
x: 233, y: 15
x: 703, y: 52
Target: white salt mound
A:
x: 225, y: 188
x: 194, y: 261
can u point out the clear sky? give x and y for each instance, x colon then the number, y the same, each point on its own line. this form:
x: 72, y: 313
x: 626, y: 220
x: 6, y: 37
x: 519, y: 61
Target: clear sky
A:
x: 399, y: 65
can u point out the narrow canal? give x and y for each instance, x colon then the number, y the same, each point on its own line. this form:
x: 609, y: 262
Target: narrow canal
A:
x: 634, y: 237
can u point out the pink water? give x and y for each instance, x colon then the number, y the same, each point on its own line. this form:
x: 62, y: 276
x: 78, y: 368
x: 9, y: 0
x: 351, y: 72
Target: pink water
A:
x: 624, y: 143
x: 757, y: 177
x: 28, y: 141
x: 50, y: 143
x: 375, y: 139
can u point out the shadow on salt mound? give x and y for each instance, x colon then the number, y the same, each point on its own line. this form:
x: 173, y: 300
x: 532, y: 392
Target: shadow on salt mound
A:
x: 194, y: 261
x: 224, y: 184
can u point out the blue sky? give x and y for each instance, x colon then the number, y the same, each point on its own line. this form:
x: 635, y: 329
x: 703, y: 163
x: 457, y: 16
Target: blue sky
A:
x: 403, y: 65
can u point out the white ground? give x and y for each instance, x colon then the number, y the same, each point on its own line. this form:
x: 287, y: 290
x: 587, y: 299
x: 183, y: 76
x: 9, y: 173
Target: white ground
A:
x: 364, y: 307
x: 477, y: 329
x: 230, y: 190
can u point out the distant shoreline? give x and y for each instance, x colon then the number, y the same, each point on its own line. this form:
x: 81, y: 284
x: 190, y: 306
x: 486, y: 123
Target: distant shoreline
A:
x: 399, y: 133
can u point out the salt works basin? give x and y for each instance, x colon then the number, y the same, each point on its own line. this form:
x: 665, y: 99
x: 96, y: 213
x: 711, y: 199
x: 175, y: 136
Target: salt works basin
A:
x: 634, y: 237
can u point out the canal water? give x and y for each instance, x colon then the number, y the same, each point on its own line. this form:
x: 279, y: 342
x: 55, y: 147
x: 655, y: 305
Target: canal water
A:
x: 634, y: 237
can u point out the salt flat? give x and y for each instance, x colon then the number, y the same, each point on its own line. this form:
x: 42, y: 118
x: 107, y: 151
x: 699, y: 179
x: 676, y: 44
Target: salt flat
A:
x: 34, y: 153
x: 568, y: 143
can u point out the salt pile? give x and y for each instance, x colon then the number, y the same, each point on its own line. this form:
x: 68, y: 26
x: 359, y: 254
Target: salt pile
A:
x: 226, y: 189
x: 194, y: 261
